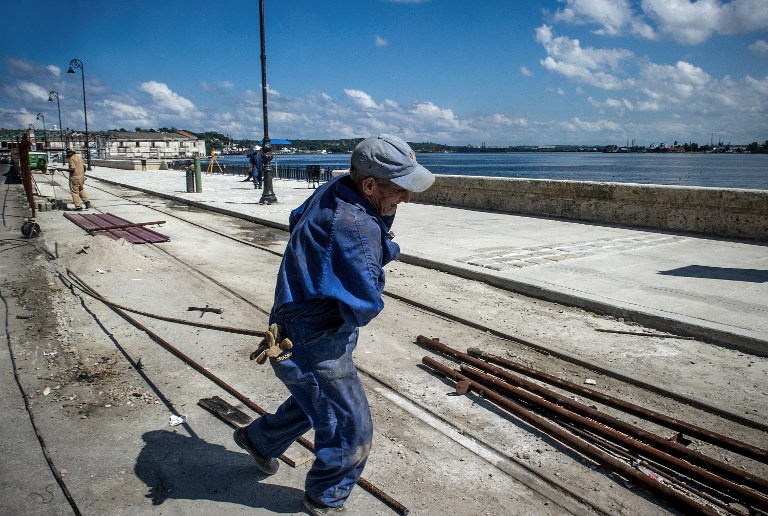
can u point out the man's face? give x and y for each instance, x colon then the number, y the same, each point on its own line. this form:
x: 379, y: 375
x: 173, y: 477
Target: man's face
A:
x: 384, y: 195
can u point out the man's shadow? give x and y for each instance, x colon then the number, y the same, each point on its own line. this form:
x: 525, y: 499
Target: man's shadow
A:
x: 12, y: 176
x: 175, y: 466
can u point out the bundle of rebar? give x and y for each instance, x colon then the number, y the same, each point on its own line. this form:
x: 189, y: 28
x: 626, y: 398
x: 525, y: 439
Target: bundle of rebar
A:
x: 666, y: 468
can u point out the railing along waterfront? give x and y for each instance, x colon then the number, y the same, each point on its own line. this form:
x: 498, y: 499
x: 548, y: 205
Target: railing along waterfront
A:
x: 295, y: 172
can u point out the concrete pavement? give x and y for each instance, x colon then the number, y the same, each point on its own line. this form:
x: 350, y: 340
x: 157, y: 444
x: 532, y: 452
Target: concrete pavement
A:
x: 712, y: 289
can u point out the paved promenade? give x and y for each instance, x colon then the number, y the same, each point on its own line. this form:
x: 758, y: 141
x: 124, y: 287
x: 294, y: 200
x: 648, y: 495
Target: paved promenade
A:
x: 710, y: 288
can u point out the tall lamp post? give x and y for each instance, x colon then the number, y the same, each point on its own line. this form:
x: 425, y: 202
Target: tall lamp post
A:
x: 40, y: 116
x: 51, y: 95
x: 268, y: 195
x: 76, y: 63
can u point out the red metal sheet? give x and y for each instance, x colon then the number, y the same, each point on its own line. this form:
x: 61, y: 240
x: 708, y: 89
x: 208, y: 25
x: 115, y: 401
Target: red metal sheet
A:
x: 137, y: 235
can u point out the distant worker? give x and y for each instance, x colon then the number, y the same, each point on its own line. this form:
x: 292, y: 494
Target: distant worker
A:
x: 257, y: 169
x: 330, y: 284
x: 76, y: 180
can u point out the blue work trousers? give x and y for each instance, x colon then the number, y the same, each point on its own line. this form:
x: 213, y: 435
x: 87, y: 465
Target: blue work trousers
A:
x: 326, y: 395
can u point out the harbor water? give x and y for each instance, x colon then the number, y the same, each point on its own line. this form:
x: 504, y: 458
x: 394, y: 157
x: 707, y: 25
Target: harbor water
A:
x: 710, y: 170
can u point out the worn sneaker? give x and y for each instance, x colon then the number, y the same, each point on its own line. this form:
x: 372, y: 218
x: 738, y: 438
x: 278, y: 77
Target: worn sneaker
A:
x: 318, y: 509
x: 87, y: 205
x: 268, y: 465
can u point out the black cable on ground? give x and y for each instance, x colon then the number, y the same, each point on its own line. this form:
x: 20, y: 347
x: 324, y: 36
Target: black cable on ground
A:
x: 78, y: 285
x: 43, y: 447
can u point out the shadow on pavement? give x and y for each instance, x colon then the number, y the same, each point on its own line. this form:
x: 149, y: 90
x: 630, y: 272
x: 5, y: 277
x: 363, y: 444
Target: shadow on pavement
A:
x: 721, y: 273
x: 12, y: 175
x: 175, y: 466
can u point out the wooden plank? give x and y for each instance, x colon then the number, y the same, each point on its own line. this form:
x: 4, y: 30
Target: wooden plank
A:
x: 294, y: 456
x: 225, y: 411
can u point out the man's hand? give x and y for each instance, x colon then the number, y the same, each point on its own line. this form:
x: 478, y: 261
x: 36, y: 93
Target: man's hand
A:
x: 269, y: 346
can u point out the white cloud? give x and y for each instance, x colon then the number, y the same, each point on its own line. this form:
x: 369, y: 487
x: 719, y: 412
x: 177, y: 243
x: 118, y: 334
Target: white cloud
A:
x: 576, y: 124
x: 31, y: 91
x: 694, y: 22
x: 613, y: 16
x: 525, y: 71
x: 589, y: 65
x: 121, y: 113
x: 362, y: 99
x: 166, y: 99
x: 759, y: 47
x: 55, y: 70
x: 380, y: 42
x: 685, y: 21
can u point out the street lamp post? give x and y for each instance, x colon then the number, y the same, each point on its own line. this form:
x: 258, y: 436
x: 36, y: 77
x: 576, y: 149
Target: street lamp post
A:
x: 76, y: 63
x: 268, y: 195
x: 51, y: 95
x: 40, y: 116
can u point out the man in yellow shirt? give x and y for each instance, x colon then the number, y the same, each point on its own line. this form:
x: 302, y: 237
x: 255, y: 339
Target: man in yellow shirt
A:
x: 76, y: 180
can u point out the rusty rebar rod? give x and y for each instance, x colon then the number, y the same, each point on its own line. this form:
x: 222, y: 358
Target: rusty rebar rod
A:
x: 588, y: 450
x: 695, y: 472
x: 726, y: 475
x: 671, y: 447
x: 728, y: 443
x: 365, y: 484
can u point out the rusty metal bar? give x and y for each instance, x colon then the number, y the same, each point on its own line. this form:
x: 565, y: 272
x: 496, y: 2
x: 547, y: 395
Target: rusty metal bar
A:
x: 690, y: 470
x: 363, y: 483
x: 731, y: 473
x: 679, y: 500
x: 126, y: 226
x: 669, y: 477
x: 671, y: 447
x: 728, y: 443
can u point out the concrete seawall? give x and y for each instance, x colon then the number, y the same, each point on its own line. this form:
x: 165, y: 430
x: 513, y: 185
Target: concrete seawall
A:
x: 732, y: 213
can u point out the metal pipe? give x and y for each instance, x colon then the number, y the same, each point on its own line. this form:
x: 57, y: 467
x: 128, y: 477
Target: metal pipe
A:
x: 753, y: 452
x: 639, y: 463
x: 695, y: 472
x: 365, y: 484
x: 673, y: 448
x: 510, y: 381
x: 679, y: 500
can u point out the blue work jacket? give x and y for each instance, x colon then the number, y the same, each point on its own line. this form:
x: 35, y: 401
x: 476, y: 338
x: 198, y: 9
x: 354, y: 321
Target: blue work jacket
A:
x: 337, y: 249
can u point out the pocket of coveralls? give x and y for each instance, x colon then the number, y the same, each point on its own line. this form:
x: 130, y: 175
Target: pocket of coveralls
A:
x: 330, y: 355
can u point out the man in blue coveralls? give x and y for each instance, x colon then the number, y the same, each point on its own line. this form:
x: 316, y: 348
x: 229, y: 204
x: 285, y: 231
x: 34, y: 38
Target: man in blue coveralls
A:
x: 330, y: 283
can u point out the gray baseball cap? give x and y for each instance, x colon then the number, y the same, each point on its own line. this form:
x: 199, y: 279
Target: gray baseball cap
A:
x: 388, y: 157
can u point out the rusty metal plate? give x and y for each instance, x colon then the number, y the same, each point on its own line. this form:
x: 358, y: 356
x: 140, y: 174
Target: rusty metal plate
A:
x: 134, y: 235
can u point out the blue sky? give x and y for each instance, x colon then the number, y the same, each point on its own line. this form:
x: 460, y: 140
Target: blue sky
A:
x: 499, y: 72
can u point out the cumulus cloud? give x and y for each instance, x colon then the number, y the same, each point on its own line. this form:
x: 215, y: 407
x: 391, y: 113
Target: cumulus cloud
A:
x: 525, y: 71
x: 691, y: 23
x: 30, y: 91
x: 759, y: 47
x: 362, y: 99
x: 122, y: 113
x: 576, y: 124
x: 685, y: 21
x: 593, y: 66
x: 166, y: 99
x: 613, y: 16
x: 380, y: 42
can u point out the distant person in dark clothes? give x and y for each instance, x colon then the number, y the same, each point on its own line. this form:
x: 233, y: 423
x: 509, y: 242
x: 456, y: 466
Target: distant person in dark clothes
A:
x: 330, y: 284
x: 257, y: 169
x: 76, y: 179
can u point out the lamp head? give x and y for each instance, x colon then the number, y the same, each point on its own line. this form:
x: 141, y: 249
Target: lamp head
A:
x: 71, y: 70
